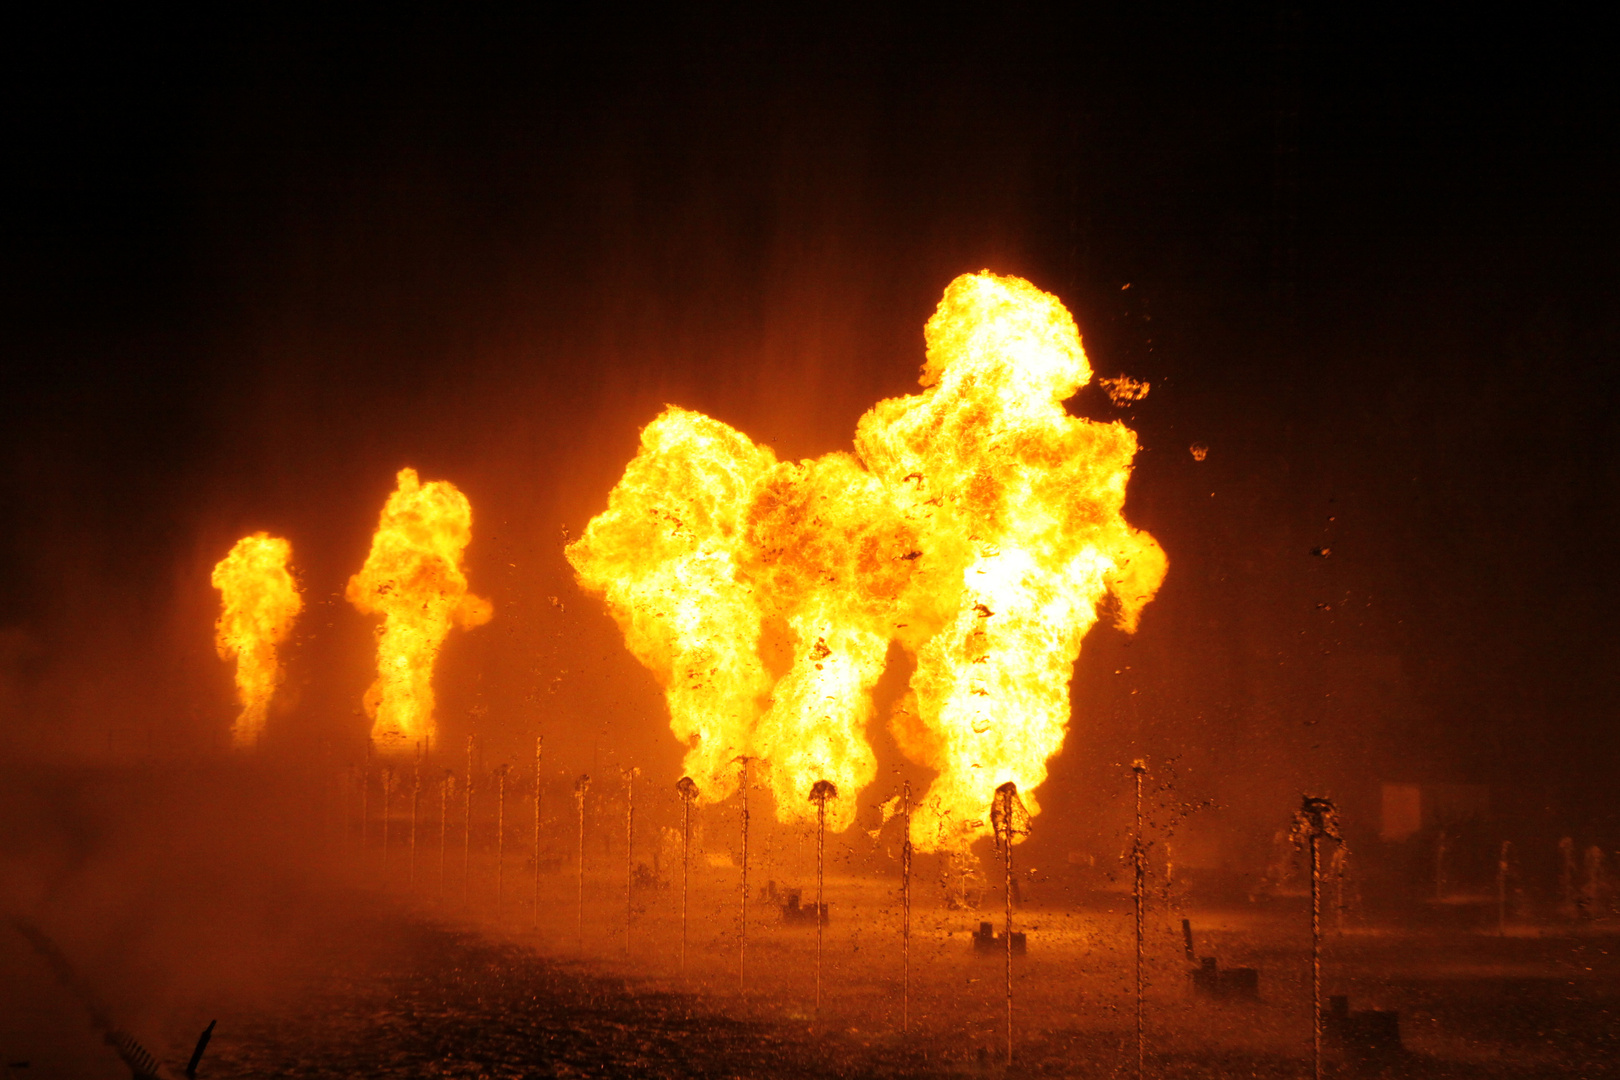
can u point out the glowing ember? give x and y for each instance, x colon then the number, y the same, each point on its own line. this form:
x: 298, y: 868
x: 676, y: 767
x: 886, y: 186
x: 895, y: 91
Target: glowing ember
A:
x: 980, y: 526
x: 258, y: 602
x: 1124, y: 391
x: 413, y: 579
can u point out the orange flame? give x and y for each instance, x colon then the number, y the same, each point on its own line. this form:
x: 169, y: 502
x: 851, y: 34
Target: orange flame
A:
x: 413, y: 579
x: 258, y: 602
x: 980, y: 527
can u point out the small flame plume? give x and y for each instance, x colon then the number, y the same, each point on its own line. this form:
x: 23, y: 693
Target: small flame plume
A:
x: 258, y: 602
x: 977, y: 524
x: 413, y: 579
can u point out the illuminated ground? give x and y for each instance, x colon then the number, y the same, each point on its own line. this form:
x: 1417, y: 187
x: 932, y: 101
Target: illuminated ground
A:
x: 435, y: 1000
x: 180, y: 911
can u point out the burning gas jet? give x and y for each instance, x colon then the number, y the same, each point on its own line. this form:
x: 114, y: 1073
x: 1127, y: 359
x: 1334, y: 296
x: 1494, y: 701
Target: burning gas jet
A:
x: 413, y: 579
x: 258, y: 602
x: 977, y: 524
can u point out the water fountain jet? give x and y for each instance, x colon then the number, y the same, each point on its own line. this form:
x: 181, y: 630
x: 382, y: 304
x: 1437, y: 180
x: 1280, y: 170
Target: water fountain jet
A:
x: 819, y: 794
x: 1317, y: 819
x: 466, y: 829
x: 1138, y: 890
x: 500, y: 836
x: 687, y: 788
x: 416, y: 804
x: 538, y: 744
x: 446, y: 789
x: 388, y: 798
x: 742, y: 919
x: 629, y: 852
x: 1008, y: 820
x: 905, y: 909
x: 580, y: 787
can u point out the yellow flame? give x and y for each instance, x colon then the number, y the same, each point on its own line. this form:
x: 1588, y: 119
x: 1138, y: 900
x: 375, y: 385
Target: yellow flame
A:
x: 980, y: 527
x: 258, y: 602
x: 413, y: 579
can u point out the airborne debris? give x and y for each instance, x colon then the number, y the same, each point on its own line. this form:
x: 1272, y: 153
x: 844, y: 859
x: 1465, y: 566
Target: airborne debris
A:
x: 1125, y: 391
x: 1199, y: 451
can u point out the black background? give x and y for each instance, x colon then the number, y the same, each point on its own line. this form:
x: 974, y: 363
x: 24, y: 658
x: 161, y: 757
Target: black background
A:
x: 253, y: 265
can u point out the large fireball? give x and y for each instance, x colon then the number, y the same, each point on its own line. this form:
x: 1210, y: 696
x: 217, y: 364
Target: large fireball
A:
x: 977, y: 524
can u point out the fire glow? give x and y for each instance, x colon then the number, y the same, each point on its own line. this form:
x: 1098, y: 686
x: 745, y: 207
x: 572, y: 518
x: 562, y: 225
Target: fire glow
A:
x: 414, y: 580
x: 977, y: 524
x: 258, y: 603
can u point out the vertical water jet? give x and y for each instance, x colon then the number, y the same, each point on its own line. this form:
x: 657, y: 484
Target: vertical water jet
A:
x: 348, y: 802
x: 1138, y: 890
x: 687, y: 788
x: 1339, y: 866
x: 629, y: 852
x: 819, y: 794
x: 500, y: 836
x: 365, y: 803
x: 1008, y: 820
x: 538, y: 744
x: 742, y: 918
x: 446, y: 789
x: 1503, y: 862
x: 580, y: 787
x: 905, y: 909
x: 466, y: 829
x: 388, y: 799
x: 416, y: 804
x: 1317, y: 819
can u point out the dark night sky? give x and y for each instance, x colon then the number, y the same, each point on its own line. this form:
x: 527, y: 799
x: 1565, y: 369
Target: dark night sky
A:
x: 251, y: 268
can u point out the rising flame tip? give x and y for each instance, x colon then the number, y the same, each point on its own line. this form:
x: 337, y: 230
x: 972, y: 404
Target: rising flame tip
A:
x: 413, y: 578
x: 259, y: 601
x: 975, y: 523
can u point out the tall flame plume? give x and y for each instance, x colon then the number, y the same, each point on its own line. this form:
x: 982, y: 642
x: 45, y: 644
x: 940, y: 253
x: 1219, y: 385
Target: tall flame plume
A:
x: 977, y: 524
x: 413, y: 578
x: 259, y: 602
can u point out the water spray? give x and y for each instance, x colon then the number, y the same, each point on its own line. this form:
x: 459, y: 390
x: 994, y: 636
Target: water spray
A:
x: 416, y: 805
x: 629, y: 852
x: 446, y: 789
x: 905, y: 909
x: 580, y: 787
x: 1503, y: 866
x: 348, y: 803
x: 538, y: 744
x: 1138, y: 890
x: 500, y: 836
x: 365, y: 801
x: 466, y: 829
x: 1008, y: 819
x: 819, y: 794
x: 1317, y: 819
x: 388, y: 802
x: 742, y: 920
x: 1339, y: 866
x: 687, y: 788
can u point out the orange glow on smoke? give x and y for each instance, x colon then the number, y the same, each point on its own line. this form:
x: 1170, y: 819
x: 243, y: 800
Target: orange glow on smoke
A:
x: 413, y: 579
x: 258, y: 602
x: 977, y: 524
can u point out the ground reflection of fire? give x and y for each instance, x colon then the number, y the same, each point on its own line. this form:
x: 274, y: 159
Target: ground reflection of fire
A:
x: 977, y: 524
